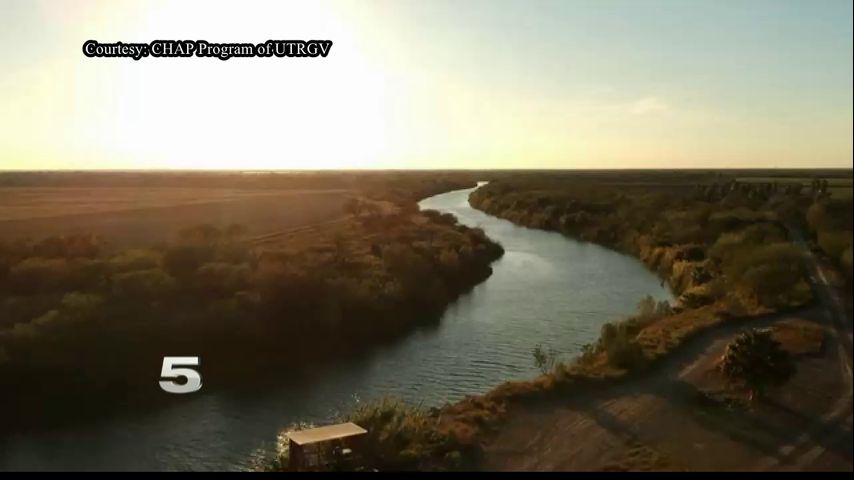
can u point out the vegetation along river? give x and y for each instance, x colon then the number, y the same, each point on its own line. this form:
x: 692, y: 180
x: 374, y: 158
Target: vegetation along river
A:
x: 546, y: 289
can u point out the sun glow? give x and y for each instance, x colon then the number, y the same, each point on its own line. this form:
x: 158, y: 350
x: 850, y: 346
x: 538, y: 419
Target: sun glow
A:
x: 439, y: 84
x: 204, y: 113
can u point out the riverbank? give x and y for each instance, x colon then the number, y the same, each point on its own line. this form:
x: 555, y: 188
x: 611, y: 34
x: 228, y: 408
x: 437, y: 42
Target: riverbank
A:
x: 714, y: 288
x: 804, y: 425
x: 529, y: 300
x: 714, y: 255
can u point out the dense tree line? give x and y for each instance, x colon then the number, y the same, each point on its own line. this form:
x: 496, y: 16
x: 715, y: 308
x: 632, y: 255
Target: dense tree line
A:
x: 368, y: 182
x: 830, y: 223
x: 81, y: 319
x: 733, y: 245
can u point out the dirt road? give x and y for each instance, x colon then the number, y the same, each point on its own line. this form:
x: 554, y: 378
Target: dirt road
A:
x: 666, y: 420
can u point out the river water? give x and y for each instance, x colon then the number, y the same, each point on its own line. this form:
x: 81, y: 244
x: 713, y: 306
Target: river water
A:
x: 546, y: 289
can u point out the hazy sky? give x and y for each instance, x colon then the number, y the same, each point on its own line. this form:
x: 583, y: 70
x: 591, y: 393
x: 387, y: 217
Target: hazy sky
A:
x: 432, y: 84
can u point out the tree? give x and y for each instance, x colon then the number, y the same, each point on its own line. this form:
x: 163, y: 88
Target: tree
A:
x: 754, y: 359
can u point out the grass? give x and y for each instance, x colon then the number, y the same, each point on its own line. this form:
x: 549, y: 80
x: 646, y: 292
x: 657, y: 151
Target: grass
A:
x: 799, y: 337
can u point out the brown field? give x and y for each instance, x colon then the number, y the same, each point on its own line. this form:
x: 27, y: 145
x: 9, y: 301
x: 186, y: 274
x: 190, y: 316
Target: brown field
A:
x: 136, y: 216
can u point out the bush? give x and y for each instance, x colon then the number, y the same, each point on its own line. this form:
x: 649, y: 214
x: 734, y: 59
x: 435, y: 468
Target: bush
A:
x: 625, y: 352
x: 620, y: 346
x: 697, y: 296
x: 649, y: 309
x: 135, y: 259
x: 400, y: 437
x: 38, y: 275
x: 150, y: 285
x: 774, y: 272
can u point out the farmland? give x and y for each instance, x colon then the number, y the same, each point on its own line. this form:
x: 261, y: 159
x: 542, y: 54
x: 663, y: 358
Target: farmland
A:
x: 141, y: 216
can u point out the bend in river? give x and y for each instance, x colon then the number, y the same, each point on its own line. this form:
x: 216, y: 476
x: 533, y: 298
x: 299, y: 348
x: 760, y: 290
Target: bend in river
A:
x: 546, y: 289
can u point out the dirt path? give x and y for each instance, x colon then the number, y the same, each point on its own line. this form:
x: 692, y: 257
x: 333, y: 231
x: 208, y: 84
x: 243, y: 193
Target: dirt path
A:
x: 665, y: 421
x: 810, y: 448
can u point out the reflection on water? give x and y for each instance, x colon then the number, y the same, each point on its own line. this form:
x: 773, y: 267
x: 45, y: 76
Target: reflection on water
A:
x: 546, y: 289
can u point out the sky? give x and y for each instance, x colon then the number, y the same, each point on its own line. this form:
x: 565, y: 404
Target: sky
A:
x: 432, y: 84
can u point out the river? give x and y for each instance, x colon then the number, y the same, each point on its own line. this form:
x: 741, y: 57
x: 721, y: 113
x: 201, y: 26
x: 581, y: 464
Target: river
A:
x: 546, y: 289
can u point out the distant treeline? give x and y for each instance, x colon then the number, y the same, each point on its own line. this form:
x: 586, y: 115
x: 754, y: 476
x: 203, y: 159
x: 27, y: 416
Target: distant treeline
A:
x: 367, y: 181
x: 708, y: 240
x: 79, y: 323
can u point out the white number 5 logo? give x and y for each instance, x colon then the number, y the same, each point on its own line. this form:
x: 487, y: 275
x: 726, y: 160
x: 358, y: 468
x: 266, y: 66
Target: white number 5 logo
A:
x: 194, y: 380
